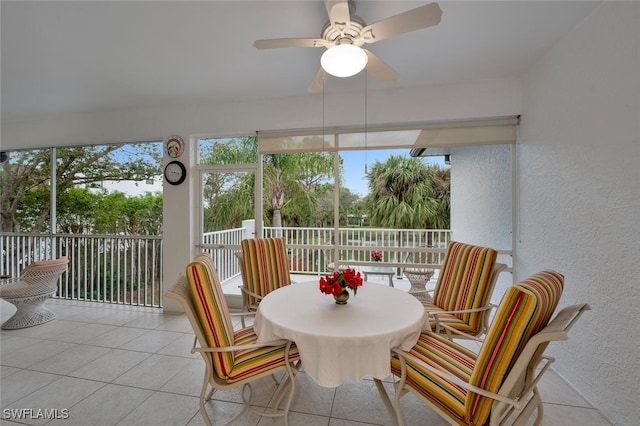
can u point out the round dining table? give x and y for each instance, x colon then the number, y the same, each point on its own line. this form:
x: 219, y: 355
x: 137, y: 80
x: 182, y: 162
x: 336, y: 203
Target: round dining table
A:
x: 338, y: 342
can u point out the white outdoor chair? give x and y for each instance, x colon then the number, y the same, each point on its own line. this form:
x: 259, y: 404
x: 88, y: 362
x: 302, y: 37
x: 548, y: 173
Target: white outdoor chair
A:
x: 233, y: 358
x: 461, y: 298
x: 264, y: 269
x: 498, y: 385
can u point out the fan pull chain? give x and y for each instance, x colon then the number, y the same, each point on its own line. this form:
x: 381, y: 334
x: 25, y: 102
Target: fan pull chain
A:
x: 365, y: 123
x: 323, y: 80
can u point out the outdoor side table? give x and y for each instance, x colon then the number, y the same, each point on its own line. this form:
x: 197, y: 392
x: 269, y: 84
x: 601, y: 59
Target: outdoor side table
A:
x: 387, y: 271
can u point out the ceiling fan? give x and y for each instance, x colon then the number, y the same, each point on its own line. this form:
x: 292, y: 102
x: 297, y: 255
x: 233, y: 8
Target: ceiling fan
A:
x: 347, y: 32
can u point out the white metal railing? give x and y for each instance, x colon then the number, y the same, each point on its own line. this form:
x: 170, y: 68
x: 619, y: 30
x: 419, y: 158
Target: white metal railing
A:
x: 122, y: 269
x: 222, y: 246
x: 312, y: 249
x: 128, y: 269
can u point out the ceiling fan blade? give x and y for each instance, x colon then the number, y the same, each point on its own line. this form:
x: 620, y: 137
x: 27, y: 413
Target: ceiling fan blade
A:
x: 276, y: 43
x: 317, y: 82
x: 411, y: 20
x: 379, y: 69
x: 338, y: 11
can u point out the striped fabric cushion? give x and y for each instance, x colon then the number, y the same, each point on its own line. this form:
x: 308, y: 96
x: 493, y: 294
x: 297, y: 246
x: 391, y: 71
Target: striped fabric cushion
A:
x: 211, y: 308
x: 524, y: 310
x: 464, y: 281
x: 444, y: 355
x: 254, y: 361
x: 246, y: 299
x: 265, y: 266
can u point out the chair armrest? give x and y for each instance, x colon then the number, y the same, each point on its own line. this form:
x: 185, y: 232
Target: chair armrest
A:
x: 404, y: 356
x: 241, y: 314
x: 449, y: 329
x: 235, y: 348
x: 250, y: 293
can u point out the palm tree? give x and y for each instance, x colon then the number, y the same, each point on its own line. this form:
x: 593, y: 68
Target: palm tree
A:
x: 442, y: 187
x: 290, y: 180
x: 405, y: 193
x: 291, y: 176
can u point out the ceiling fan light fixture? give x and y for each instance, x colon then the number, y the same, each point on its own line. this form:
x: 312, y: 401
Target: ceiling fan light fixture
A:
x: 344, y: 60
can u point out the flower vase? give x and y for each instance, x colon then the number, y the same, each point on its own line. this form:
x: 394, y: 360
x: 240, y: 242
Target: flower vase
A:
x: 341, y: 299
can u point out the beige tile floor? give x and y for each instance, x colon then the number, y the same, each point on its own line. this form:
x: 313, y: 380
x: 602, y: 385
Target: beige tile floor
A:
x: 117, y: 365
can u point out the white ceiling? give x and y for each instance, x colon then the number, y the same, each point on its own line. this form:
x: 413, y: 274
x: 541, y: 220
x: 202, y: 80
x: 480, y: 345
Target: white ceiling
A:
x: 61, y: 57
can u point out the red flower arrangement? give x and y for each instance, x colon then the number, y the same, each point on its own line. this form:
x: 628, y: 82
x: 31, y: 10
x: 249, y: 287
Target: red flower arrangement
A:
x: 341, y: 281
x: 376, y: 256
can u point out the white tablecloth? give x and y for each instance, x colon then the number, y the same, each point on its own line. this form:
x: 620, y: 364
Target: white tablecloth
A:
x: 341, y: 341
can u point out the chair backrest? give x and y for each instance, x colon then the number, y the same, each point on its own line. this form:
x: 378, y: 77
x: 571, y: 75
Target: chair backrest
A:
x: 264, y: 265
x: 524, y: 310
x: 498, y: 268
x: 212, y: 311
x: 465, y: 280
x: 181, y: 292
x: 528, y: 368
x: 45, y: 272
x: 240, y: 258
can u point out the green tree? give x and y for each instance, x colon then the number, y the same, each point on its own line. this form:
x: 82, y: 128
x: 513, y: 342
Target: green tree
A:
x: 229, y: 196
x: 349, y: 205
x: 24, y: 185
x: 76, y: 211
x: 109, y: 213
x: 25, y: 177
x: 406, y: 193
x: 290, y: 185
x: 301, y: 180
x: 228, y: 199
x: 324, y: 209
x: 442, y: 194
x: 142, y: 215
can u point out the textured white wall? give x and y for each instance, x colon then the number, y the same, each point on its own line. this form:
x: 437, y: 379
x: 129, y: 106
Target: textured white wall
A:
x: 481, y: 201
x: 579, y: 182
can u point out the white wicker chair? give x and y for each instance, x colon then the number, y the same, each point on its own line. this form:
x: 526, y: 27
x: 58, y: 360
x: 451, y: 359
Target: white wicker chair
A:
x: 419, y: 275
x: 37, y: 283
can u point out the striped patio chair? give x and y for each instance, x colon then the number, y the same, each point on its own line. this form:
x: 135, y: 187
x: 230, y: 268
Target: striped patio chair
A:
x: 232, y: 357
x: 497, y: 385
x: 264, y: 268
x: 461, y: 298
